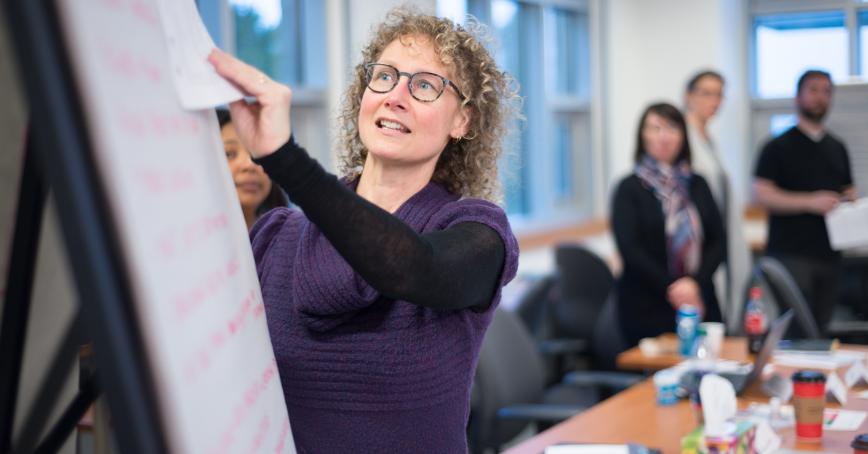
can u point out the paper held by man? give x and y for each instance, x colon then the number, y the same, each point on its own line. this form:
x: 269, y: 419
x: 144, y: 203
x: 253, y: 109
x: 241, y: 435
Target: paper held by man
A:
x: 846, y: 225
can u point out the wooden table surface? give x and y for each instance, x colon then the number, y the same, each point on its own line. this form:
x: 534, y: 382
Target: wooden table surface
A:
x: 633, y: 416
x: 734, y: 348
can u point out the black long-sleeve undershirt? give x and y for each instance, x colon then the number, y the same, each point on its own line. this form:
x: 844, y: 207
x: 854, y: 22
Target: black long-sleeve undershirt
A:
x: 455, y: 268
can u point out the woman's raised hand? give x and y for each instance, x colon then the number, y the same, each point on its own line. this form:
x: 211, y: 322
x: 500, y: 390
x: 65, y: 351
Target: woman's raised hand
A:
x: 264, y: 125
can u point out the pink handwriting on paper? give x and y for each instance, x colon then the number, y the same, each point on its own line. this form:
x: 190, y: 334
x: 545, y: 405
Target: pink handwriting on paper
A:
x: 188, y: 300
x: 261, y: 431
x: 241, y: 315
x: 116, y: 4
x: 200, y: 360
x: 203, y: 229
x: 175, y: 124
x: 281, y: 440
x: 172, y: 243
x: 150, y: 71
x: 145, y: 12
x: 164, y: 182
x: 128, y: 65
x: 133, y: 125
x: 141, y: 10
x: 119, y: 61
x: 242, y: 409
x: 158, y: 125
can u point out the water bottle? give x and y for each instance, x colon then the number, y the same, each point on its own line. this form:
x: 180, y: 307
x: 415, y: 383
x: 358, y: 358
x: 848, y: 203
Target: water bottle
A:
x: 755, y: 323
x: 686, y: 321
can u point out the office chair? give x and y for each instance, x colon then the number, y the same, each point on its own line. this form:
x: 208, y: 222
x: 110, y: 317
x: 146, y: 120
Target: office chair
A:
x: 509, y: 389
x: 583, y: 282
x: 786, y: 293
x: 608, y: 339
x: 533, y: 304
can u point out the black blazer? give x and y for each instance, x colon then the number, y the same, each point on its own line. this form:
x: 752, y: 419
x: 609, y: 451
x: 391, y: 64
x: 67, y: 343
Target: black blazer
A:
x: 638, y: 225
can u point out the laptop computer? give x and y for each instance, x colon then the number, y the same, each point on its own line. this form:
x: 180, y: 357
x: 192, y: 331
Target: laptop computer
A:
x: 742, y: 380
x: 776, y: 332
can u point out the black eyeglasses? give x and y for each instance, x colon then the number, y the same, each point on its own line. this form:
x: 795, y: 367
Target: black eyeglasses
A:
x: 424, y: 86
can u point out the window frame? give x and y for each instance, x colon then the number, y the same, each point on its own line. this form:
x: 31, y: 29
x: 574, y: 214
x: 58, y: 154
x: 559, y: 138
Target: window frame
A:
x: 762, y: 110
x: 850, y: 8
x: 309, y: 104
x: 543, y: 108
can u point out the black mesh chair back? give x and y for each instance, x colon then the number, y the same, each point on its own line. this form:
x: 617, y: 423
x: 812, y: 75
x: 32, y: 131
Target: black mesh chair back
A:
x: 608, y: 340
x: 787, y: 295
x: 533, y: 305
x: 584, y: 282
x: 510, y: 371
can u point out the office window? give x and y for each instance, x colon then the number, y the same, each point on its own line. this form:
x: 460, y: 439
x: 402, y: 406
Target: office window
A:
x: 780, y: 123
x: 564, y: 144
x: 572, y: 56
x: 863, y: 43
x: 283, y: 38
x: 788, y: 44
x: 545, y: 46
x: 571, y: 90
x: 452, y: 9
x: 508, y: 24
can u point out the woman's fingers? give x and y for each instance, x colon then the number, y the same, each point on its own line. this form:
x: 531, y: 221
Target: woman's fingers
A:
x: 263, y: 126
x: 247, y: 78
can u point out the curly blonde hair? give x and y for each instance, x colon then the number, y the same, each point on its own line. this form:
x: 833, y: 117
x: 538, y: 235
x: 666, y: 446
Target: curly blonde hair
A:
x: 467, y: 166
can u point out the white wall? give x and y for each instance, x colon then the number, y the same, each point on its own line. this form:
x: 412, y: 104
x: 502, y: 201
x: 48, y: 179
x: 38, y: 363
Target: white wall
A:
x: 366, y: 14
x: 650, y: 49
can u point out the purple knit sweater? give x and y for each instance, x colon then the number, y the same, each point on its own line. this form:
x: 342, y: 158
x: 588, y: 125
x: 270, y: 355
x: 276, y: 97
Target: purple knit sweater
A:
x: 361, y: 372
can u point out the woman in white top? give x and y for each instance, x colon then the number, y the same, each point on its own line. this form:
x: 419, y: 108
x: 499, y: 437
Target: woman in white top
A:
x: 703, y: 97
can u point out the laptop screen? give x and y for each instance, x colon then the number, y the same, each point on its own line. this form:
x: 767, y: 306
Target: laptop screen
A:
x: 775, y: 334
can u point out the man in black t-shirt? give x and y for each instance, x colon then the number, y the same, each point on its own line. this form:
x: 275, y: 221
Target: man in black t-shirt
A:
x: 800, y: 176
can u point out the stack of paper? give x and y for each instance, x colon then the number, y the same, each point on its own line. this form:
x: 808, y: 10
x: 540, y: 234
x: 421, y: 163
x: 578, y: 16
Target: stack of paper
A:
x: 846, y: 225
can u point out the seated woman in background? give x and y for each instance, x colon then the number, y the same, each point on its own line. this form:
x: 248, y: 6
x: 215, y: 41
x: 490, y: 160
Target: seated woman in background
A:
x: 256, y: 192
x: 668, y: 231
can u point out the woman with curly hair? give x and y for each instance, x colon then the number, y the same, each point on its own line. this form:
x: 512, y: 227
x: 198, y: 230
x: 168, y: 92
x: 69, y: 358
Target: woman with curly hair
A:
x: 379, y: 291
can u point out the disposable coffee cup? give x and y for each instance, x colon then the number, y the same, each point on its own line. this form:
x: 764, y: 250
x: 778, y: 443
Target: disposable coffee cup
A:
x: 860, y: 444
x: 714, y: 338
x: 809, y: 401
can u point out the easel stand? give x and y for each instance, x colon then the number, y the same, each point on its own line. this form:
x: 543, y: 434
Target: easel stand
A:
x: 59, y: 157
x: 31, y: 203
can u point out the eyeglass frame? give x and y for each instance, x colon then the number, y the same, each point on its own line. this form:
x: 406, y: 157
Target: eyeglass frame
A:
x: 410, y: 76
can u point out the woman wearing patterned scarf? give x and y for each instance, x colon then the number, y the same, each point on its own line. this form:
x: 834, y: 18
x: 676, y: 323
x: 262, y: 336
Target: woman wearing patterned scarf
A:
x: 668, y: 230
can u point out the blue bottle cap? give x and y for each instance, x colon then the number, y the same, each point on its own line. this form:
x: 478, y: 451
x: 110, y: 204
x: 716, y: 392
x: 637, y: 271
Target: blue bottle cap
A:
x: 687, y: 309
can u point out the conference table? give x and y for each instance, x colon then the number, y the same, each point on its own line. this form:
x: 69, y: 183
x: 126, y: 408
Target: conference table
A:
x: 633, y: 415
x: 734, y: 348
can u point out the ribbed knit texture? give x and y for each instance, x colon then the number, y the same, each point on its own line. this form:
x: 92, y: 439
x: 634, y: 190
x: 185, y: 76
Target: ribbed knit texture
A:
x: 360, y: 372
